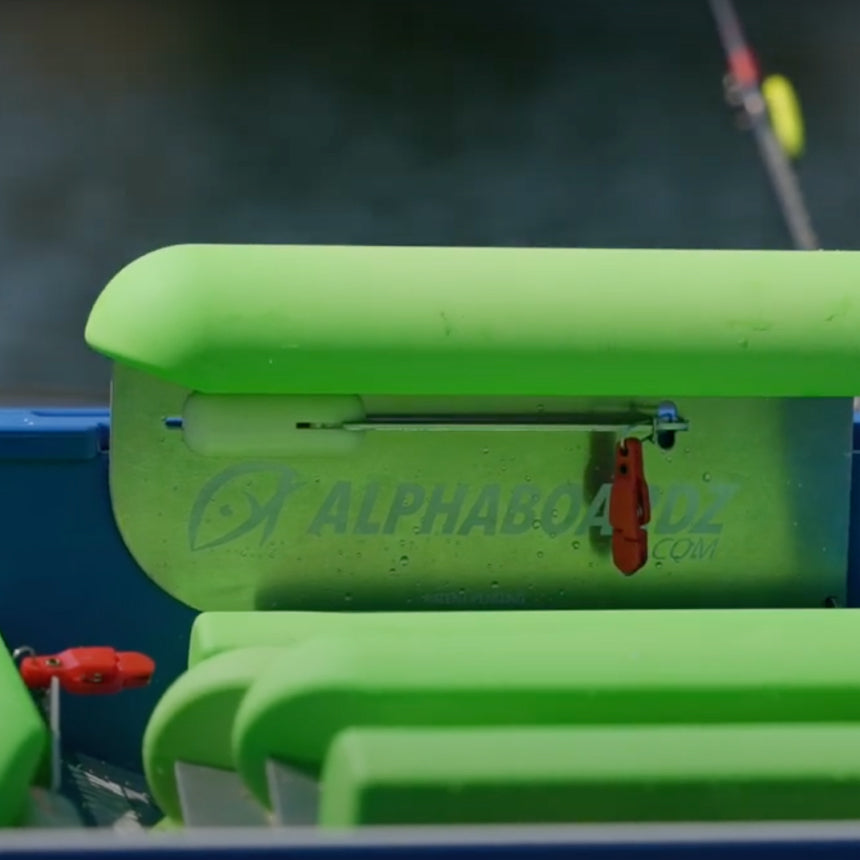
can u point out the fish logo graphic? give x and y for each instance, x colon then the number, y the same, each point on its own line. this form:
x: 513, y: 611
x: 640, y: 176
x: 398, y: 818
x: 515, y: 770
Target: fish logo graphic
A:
x: 229, y: 507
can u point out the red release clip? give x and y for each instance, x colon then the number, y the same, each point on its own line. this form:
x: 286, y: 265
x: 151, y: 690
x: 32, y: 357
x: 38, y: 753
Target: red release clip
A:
x: 629, y: 508
x: 88, y: 671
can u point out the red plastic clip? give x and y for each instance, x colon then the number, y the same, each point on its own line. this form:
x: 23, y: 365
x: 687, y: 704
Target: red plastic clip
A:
x: 629, y: 508
x: 88, y: 671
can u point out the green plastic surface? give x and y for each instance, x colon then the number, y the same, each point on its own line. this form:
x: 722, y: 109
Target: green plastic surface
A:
x: 193, y: 721
x: 591, y: 774
x: 750, y: 508
x: 23, y: 742
x: 477, y: 669
x: 214, y: 633
x: 379, y: 320
x: 652, y: 633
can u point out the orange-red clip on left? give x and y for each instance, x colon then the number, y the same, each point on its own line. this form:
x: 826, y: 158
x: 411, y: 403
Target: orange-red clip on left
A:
x: 88, y: 670
x: 629, y: 508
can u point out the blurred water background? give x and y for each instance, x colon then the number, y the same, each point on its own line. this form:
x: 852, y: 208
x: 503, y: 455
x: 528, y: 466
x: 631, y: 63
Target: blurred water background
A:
x: 125, y: 126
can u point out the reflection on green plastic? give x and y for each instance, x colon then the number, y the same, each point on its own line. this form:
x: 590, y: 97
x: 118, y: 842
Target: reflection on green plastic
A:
x: 379, y: 320
x: 591, y: 774
x: 23, y: 741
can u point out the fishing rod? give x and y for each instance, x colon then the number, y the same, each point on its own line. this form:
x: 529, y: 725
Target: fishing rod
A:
x: 774, y: 143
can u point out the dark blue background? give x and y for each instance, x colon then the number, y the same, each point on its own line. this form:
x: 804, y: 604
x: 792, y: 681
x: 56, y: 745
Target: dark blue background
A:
x: 127, y: 126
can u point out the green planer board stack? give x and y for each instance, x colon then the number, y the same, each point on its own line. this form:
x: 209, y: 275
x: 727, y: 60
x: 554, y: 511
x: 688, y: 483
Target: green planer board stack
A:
x: 410, y: 457
x: 493, y: 717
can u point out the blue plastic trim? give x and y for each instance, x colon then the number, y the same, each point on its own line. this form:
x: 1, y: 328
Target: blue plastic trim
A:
x: 67, y: 578
x: 53, y: 434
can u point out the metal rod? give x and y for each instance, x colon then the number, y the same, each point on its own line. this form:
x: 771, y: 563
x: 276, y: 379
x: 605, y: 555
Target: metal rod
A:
x: 779, y: 170
x: 501, y: 423
x: 54, y: 725
x: 787, y: 187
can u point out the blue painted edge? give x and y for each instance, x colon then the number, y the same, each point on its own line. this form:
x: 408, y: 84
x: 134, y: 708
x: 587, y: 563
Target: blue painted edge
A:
x: 53, y: 434
x: 60, y: 536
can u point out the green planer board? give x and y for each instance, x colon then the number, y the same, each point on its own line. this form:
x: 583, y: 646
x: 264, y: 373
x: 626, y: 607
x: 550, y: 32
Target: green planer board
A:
x: 378, y: 706
x: 23, y: 742
x: 274, y: 409
x: 591, y: 774
x: 353, y: 438
x: 468, y: 321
